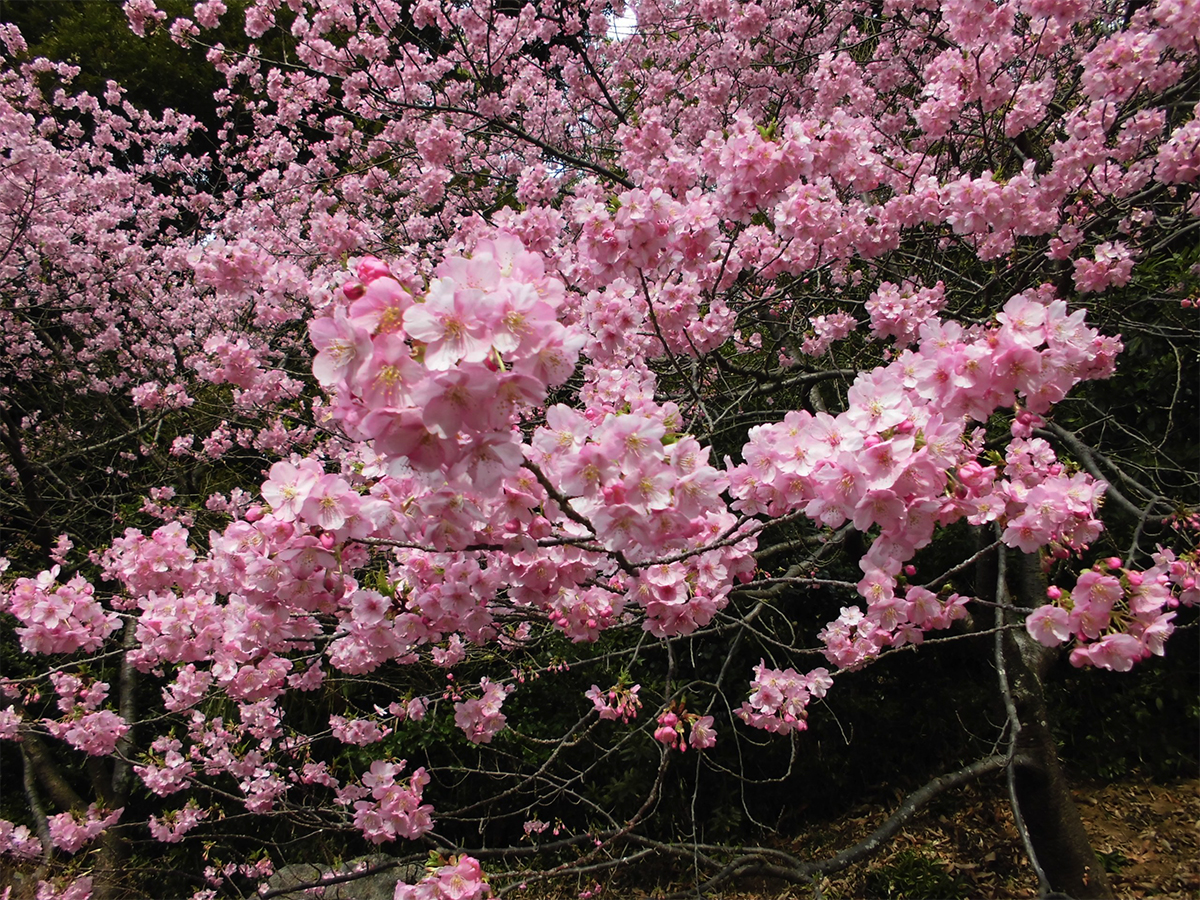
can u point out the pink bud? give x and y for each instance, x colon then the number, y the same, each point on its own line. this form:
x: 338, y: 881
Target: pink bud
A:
x: 1135, y: 578
x: 1113, y: 562
x: 328, y: 540
x: 254, y: 513
x: 1054, y: 592
x: 281, y: 531
x: 353, y: 290
x: 371, y: 267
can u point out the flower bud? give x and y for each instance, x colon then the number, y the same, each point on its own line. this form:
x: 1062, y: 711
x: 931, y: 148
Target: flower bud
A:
x: 371, y: 267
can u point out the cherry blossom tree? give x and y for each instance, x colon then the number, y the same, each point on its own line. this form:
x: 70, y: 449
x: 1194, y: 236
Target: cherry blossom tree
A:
x: 502, y: 353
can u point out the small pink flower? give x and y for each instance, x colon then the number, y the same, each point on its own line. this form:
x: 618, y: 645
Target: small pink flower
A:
x: 702, y: 735
x: 453, y: 323
x: 1049, y: 625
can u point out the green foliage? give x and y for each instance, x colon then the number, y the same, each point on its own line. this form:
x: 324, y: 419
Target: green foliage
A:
x: 914, y: 876
x: 1111, y: 724
x: 1113, y: 861
x: 157, y: 73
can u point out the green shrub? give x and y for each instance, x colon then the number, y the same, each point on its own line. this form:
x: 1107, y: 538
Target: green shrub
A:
x: 914, y: 876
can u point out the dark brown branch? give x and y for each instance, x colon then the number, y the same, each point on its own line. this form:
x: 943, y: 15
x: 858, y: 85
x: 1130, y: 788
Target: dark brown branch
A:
x: 63, y: 795
x: 1087, y: 458
x: 793, y: 870
x: 41, y: 823
x: 11, y: 439
x: 913, y: 803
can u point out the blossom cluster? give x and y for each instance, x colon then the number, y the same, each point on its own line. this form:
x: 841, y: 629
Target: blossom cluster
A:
x: 155, y: 563
x: 95, y: 733
x: 674, y: 721
x: 480, y: 718
x: 359, y: 732
x: 19, y: 841
x: 440, y: 379
x: 855, y: 638
x: 634, y: 203
x: 899, y: 311
x: 461, y: 878
x: 618, y: 702
x: 172, y: 827
x: 166, y: 770
x: 69, y: 831
x: 1117, y: 616
x: 1111, y: 264
x: 887, y: 460
x: 59, y: 618
x: 779, y: 698
x: 644, y: 491
x: 825, y: 330
x: 394, y: 808
x: 900, y: 459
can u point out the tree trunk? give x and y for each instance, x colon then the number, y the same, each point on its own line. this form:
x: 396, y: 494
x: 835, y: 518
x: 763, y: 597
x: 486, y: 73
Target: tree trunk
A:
x: 1059, y: 842
x: 114, y: 784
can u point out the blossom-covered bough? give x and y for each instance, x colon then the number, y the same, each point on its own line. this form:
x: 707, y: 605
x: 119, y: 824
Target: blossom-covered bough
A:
x: 565, y: 351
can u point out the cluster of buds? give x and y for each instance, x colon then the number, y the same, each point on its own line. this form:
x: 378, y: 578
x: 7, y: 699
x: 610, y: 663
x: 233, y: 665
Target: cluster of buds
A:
x: 618, y: 702
x: 675, y: 720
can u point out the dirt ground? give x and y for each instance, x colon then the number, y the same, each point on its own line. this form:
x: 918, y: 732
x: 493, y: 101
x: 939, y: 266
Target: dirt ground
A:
x: 1146, y: 835
x: 964, y: 845
x: 1151, y: 834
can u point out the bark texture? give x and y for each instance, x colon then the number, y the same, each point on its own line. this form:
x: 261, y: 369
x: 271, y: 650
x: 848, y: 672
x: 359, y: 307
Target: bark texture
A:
x: 1056, y: 830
